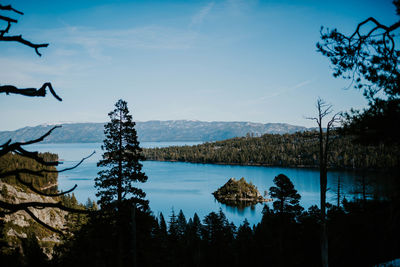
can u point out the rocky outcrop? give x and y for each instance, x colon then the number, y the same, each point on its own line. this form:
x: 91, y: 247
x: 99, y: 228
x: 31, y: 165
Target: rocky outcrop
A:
x: 19, y: 224
x: 239, y: 193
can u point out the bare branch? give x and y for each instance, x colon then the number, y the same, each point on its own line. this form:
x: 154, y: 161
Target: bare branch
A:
x: 9, y: 208
x: 42, y: 223
x: 2, y: 32
x: 9, y: 20
x: 79, y: 163
x: 40, y: 172
x: 10, y: 8
x: 14, y: 207
x: 31, y: 187
x: 41, y: 92
x: 19, y: 39
x: 8, y: 146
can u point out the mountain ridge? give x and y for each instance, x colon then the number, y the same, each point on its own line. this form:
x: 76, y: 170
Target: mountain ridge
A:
x: 154, y: 130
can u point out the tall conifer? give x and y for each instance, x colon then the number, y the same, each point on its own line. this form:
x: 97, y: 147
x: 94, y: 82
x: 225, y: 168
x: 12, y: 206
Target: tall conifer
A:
x: 121, y: 160
x: 121, y: 168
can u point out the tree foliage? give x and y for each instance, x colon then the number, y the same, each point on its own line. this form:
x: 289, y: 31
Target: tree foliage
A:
x: 362, y: 235
x: 369, y: 58
x: 286, y: 197
x: 121, y: 166
x: 287, y: 150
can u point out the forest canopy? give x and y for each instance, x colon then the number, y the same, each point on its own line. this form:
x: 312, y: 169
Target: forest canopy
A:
x: 288, y: 150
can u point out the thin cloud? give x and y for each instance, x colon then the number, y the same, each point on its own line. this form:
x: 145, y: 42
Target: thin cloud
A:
x: 97, y: 42
x: 30, y: 73
x: 199, y: 17
x: 277, y: 93
x: 237, y: 7
x: 285, y: 90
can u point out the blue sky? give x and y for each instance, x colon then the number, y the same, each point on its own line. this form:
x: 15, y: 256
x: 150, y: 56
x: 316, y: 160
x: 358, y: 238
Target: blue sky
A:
x: 198, y: 60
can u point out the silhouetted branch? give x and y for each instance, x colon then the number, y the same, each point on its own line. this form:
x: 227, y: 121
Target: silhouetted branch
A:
x: 31, y: 187
x: 17, y: 147
x: 40, y: 172
x: 14, y: 207
x: 45, y: 225
x: 368, y: 57
x: 79, y: 163
x: 324, y: 109
x: 17, y: 38
x: 9, y: 20
x: 9, y: 208
x: 10, y: 8
x: 41, y: 92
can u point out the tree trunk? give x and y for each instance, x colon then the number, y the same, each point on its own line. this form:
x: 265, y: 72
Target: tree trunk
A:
x: 324, y: 234
x: 133, y: 234
x: 338, y: 192
x: 119, y: 199
x: 323, y: 185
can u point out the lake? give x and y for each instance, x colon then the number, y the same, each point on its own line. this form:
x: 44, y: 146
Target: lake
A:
x: 188, y: 186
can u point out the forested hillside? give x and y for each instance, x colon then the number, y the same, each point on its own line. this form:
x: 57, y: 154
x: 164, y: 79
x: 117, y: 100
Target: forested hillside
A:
x: 19, y: 232
x: 48, y: 180
x: 293, y: 150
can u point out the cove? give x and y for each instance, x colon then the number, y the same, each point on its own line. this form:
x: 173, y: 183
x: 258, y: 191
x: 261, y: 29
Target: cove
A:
x: 189, y: 186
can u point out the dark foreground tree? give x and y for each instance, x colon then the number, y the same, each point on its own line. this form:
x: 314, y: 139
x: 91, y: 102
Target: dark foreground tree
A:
x: 369, y: 58
x: 324, y: 139
x: 121, y: 169
x: 121, y: 160
x: 283, y: 217
x: 285, y: 195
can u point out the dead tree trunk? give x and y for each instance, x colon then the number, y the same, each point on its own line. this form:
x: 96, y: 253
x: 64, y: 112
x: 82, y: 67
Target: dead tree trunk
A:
x: 323, y: 138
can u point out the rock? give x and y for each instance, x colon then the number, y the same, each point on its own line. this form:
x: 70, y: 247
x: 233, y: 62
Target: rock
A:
x: 20, y: 223
x: 239, y: 193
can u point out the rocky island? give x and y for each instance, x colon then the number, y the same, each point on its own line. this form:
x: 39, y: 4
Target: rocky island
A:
x: 239, y: 193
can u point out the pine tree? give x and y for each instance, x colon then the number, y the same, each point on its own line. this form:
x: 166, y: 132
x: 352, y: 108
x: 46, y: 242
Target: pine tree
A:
x: 121, y: 160
x: 115, y: 182
x: 287, y: 198
x: 181, y: 224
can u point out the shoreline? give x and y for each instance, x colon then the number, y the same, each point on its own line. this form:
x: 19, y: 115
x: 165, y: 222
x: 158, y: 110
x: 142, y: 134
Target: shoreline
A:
x: 314, y: 167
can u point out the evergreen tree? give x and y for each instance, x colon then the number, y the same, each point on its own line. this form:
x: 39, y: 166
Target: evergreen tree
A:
x: 287, y: 198
x: 121, y: 160
x: 121, y: 168
x: 181, y: 224
x: 369, y: 57
x: 173, y: 227
x: 195, y: 227
x: 163, y: 225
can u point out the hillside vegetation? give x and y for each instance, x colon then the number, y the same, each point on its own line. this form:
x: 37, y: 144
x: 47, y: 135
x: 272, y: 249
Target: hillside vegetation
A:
x: 18, y: 231
x: 287, y: 150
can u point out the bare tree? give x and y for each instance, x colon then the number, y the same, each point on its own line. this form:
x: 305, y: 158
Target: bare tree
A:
x: 324, y: 110
x: 19, y: 148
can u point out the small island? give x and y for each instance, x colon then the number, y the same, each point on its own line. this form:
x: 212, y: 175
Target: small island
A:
x: 239, y: 193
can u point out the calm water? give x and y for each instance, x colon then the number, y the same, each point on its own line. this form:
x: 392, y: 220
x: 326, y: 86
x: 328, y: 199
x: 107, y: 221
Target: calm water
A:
x: 188, y: 186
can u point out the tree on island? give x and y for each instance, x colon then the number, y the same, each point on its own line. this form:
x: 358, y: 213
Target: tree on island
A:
x: 121, y: 169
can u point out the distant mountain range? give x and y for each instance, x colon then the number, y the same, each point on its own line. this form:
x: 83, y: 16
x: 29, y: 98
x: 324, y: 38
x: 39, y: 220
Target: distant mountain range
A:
x: 173, y: 130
